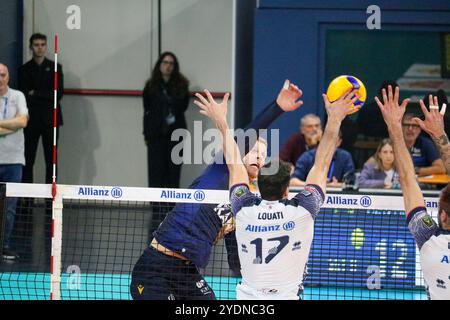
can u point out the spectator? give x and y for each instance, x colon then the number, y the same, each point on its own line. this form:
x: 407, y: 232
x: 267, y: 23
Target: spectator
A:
x: 424, y: 154
x: 341, y: 165
x: 166, y: 98
x: 380, y: 173
x: 13, y: 118
x: 36, y: 81
x: 307, y: 138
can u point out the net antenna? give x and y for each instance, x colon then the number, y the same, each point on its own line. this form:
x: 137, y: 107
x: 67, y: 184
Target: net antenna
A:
x: 55, y: 259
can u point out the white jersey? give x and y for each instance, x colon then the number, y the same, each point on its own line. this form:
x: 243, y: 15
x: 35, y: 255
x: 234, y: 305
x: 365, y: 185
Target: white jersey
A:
x: 434, y: 248
x: 274, y: 239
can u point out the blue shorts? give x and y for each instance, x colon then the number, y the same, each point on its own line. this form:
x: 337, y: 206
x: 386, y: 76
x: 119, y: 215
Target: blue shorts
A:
x: 157, y: 276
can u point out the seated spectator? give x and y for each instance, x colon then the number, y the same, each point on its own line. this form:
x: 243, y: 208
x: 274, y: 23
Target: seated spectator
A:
x: 423, y: 152
x: 380, y: 171
x: 341, y: 165
x: 307, y: 138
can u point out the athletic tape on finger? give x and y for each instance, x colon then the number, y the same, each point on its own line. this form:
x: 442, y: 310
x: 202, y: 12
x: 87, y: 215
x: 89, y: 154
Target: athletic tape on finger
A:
x: 444, y: 107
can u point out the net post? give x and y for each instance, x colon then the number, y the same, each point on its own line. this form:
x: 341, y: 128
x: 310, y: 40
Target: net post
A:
x: 56, y: 258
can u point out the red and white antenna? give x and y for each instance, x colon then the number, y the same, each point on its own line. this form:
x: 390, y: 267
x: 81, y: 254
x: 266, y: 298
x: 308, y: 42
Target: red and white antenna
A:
x: 55, y: 259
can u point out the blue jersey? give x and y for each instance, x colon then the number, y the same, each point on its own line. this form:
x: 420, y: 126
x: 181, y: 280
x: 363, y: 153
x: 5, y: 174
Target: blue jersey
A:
x: 191, y: 229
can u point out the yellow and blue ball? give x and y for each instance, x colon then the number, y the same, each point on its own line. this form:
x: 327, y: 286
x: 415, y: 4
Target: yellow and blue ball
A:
x: 341, y: 84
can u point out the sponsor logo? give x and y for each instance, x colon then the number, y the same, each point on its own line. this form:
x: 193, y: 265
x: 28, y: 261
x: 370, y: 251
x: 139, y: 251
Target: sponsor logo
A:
x: 427, y: 221
x: 365, y: 201
x: 199, y: 195
x: 297, y: 246
x: 116, y: 193
x: 342, y: 201
x: 244, y: 248
x: 445, y: 259
x: 253, y: 228
x: 288, y: 226
x: 269, y: 291
x: 140, y: 288
x: 89, y: 191
x: 440, y: 284
x: 200, y: 284
x: 270, y: 215
x: 239, y: 191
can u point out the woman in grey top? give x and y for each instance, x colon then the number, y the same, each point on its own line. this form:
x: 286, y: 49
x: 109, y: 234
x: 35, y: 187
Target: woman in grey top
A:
x: 379, y: 170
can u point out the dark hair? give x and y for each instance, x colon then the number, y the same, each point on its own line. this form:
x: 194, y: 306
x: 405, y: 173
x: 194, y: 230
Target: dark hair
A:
x: 444, y: 200
x: 178, y: 84
x: 37, y: 36
x: 385, y: 85
x: 274, y: 185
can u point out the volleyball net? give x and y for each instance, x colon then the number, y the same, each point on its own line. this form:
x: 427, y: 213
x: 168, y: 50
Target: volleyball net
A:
x: 362, y: 248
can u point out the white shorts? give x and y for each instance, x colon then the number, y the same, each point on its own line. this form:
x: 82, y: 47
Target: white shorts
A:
x: 244, y: 292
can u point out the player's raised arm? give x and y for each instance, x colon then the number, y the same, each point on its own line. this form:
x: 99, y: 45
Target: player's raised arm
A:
x: 336, y: 113
x: 434, y: 126
x: 393, y: 113
x: 217, y: 112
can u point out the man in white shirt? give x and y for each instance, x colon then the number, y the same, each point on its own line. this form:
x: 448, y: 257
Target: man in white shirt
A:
x: 274, y: 234
x: 13, y: 118
x: 433, y: 240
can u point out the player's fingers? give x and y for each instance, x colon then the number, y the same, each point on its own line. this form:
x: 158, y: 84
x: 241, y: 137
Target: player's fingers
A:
x: 436, y: 102
x: 201, y: 98
x: 286, y: 84
x: 353, y: 109
x: 225, y: 98
x: 424, y: 109
x: 347, y: 94
x: 379, y: 103
x: 385, y: 99
x: 325, y: 99
x: 390, y: 95
x: 210, y: 97
x: 396, y: 94
x: 430, y: 100
x: 444, y: 107
x: 419, y: 122
x: 203, y: 112
x: 200, y: 105
x: 298, y: 104
x: 405, y: 103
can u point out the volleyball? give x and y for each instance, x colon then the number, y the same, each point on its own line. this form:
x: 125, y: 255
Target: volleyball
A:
x: 341, y: 84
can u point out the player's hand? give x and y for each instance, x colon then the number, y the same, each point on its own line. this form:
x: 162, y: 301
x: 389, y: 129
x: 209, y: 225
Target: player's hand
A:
x: 434, y: 120
x: 217, y: 112
x: 288, y: 96
x: 338, y: 109
x: 390, y: 109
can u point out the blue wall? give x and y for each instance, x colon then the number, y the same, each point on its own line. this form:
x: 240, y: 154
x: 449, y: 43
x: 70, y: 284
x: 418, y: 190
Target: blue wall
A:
x: 290, y: 43
x: 11, y: 37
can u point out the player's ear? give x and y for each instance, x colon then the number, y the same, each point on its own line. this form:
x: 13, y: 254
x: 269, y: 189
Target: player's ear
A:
x: 286, y: 193
x: 444, y: 218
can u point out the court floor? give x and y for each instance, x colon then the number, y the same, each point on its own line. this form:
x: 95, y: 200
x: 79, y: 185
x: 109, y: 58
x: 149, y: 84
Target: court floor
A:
x: 36, y: 286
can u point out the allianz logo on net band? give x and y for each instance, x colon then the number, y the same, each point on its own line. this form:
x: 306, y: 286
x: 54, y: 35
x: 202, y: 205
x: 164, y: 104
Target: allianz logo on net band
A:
x: 114, y: 192
x: 368, y: 202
